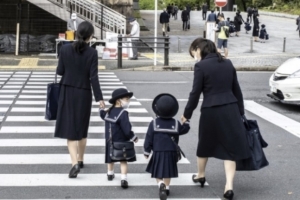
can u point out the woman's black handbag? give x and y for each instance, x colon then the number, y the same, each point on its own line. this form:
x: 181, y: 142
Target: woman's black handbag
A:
x: 256, y: 143
x: 178, y: 149
x: 121, y: 151
x: 267, y: 36
x: 53, y: 90
x: 168, y: 28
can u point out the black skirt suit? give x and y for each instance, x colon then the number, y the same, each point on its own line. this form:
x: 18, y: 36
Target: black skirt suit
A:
x: 79, y: 72
x: 221, y: 131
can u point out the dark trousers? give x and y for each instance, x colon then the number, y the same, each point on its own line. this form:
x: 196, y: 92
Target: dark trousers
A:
x: 204, y: 15
x: 184, y: 25
x: 134, y: 45
x: 175, y: 14
x: 250, y: 18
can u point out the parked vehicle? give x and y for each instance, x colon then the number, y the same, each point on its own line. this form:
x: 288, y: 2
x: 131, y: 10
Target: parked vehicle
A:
x: 285, y: 82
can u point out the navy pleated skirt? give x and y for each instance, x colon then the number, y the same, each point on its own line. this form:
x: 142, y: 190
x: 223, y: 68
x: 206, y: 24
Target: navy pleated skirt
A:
x: 163, y: 165
x: 107, y: 156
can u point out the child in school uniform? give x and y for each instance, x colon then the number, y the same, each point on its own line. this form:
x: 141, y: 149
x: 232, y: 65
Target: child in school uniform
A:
x: 117, y: 120
x: 162, y: 140
x: 263, y: 34
x: 247, y: 26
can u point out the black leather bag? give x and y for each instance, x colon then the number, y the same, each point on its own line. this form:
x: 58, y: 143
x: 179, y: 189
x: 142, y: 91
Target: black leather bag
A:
x: 121, y: 151
x: 53, y: 90
x: 168, y: 28
x: 256, y: 143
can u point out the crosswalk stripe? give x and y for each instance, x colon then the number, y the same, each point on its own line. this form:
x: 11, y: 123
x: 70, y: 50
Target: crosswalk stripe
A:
x: 6, y: 102
x: 275, y: 118
x: 44, y: 97
x: 55, y: 142
x: 12, y: 86
x: 3, y: 109
x: 51, y: 79
x: 50, y: 129
x: 45, y: 91
x: 19, y: 102
x: 32, y: 109
x: 7, y: 96
x: 92, y: 119
x: 58, y: 159
x: 129, y: 199
x: 43, y: 73
x: 102, y: 87
x: 45, y: 83
x: 135, y: 179
x: 52, y: 76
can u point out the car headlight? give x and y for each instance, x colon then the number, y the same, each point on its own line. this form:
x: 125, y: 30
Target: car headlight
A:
x: 295, y: 75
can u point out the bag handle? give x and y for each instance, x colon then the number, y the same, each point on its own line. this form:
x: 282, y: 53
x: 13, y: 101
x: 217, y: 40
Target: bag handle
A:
x: 55, y: 78
x: 178, y: 148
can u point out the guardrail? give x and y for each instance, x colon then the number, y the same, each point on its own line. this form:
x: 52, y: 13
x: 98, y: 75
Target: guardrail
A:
x: 166, y: 42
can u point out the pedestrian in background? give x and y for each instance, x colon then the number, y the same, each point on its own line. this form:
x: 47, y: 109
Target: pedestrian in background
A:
x: 224, y: 34
x: 135, y: 34
x: 250, y: 13
x: 238, y: 21
x: 212, y: 17
x: 204, y: 10
x: 263, y: 34
x: 164, y: 20
x: 175, y: 11
x: 118, y: 129
x: 73, y: 23
x: 222, y: 134
x: 298, y: 25
x: 78, y: 66
x: 162, y: 140
x: 255, y: 32
x: 188, y: 8
x: 169, y: 10
x: 185, y: 19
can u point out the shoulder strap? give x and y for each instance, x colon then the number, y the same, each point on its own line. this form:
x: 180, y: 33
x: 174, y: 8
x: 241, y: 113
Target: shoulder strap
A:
x: 177, y: 146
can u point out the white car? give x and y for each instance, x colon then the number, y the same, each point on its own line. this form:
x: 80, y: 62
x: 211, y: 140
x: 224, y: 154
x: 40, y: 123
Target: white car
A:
x: 285, y: 82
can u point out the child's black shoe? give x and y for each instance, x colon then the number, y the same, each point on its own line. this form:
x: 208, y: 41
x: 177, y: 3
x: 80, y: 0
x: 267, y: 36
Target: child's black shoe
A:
x: 124, y: 184
x: 168, y: 192
x: 162, y: 192
x: 110, y: 177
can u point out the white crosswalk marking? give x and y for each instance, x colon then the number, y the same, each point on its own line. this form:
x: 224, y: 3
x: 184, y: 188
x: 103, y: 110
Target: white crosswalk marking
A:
x: 28, y: 138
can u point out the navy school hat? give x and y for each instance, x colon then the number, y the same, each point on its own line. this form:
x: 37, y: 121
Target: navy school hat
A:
x: 165, y: 105
x: 119, y: 94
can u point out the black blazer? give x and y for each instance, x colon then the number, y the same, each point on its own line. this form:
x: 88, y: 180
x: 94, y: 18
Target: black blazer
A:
x: 79, y: 70
x: 218, y: 82
x: 164, y: 18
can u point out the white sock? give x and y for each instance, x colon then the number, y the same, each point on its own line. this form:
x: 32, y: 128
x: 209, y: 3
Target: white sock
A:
x: 167, y: 187
x: 110, y: 173
x: 159, y: 183
x: 124, y: 177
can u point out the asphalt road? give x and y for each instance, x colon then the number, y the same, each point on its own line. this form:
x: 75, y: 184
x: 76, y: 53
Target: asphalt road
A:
x: 278, y: 181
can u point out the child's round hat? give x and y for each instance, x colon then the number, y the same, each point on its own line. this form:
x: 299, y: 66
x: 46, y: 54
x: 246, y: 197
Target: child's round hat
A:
x: 165, y: 105
x: 119, y: 94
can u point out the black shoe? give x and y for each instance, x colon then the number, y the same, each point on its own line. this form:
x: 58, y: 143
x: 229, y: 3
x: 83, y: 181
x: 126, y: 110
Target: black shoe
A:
x: 199, y: 180
x: 124, y: 184
x: 168, y: 192
x: 81, y: 165
x: 110, y: 177
x: 229, y: 195
x: 74, y: 171
x: 133, y: 58
x: 164, y: 34
x: 162, y: 192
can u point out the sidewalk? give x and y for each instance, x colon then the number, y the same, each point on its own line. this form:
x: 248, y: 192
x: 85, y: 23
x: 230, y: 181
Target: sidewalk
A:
x: 266, y: 56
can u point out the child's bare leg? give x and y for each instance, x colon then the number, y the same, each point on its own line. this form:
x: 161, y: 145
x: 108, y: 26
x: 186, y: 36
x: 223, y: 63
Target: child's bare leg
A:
x: 123, y: 166
x: 110, y: 168
x: 167, y: 181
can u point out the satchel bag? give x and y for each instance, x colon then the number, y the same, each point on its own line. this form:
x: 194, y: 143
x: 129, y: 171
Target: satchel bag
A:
x: 53, y: 90
x: 168, y: 28
x: 121, y: 151
x: 267, y: 36
x: 178, y: 149
x: 256, y: 144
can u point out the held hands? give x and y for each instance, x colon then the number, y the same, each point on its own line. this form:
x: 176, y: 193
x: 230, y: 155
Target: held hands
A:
x: 136, y: 140
x: 183, y: 119
x: 146, y: 157
x: 102, y: 104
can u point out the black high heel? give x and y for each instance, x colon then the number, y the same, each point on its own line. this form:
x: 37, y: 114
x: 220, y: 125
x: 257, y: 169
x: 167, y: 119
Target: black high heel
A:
x: 229, y: 195
x: 199, y: 180
x: 74, y: 171
x: 81, y: 165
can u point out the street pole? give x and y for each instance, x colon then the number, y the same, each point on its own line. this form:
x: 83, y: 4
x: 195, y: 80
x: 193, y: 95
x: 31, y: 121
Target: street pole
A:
x: 155, y: 32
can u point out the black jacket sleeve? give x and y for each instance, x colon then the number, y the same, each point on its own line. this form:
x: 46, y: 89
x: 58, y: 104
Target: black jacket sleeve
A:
x: 195, y: 93
x: 148, y: 143
x: 184, y: 128
x: 238, y: 93
x: 160, y: 18
x: 126, y: 126
x: 95, y: 78
x: 60, y: 70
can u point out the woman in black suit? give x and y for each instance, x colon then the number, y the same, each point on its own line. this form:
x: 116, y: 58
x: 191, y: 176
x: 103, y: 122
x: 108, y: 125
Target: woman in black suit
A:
x: 78, y: 66
x: 221, y: 131
x: 255, y: 32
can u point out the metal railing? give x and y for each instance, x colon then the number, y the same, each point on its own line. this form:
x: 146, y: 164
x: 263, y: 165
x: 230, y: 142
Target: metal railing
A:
x: 100, y: 15
x: 166, y: 47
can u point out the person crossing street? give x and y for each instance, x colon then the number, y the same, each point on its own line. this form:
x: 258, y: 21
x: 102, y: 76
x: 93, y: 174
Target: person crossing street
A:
x: 164, y: 20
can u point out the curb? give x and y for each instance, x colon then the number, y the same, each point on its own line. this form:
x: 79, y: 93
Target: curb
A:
x: 239, y: 68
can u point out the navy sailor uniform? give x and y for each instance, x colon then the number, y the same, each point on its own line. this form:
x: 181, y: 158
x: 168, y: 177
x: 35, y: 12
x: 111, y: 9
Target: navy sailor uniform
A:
x: 163, y: 163
x: 121, y: 127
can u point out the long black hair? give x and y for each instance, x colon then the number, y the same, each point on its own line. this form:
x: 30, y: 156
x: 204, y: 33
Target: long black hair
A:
x: 84, y: 32
x: 206, y: 47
